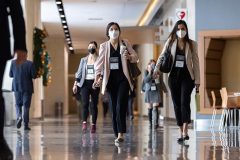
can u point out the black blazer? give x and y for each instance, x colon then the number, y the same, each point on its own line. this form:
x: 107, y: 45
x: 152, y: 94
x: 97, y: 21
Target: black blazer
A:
x: 12, y: 8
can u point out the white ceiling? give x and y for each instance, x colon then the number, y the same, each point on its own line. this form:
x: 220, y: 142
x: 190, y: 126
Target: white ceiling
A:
x: 87, y: 19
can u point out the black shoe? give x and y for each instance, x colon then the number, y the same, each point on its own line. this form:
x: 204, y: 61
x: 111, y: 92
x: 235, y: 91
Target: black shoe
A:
x: 186, y: 137
x: 19, y: 123
x: 180, y: 140
x: 119, y: 140
x: 26, y: 128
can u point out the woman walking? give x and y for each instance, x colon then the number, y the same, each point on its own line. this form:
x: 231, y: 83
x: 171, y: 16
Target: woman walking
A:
x: 112, y: 73
x: 84, y: 79
x: 152, y: 94
x: 184, y: 74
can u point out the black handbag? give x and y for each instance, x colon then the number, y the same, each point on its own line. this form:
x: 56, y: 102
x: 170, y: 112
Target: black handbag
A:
x: 133, y: 69
x: 166, y: 61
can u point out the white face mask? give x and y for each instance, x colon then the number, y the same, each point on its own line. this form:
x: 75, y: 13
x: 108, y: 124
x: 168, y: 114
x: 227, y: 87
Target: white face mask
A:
x: 181, y: 33
x: 113, y: 34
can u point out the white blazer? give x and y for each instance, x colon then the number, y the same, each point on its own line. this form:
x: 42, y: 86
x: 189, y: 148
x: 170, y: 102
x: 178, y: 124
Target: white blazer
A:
x: 102, y: 65
x: 192, y: 60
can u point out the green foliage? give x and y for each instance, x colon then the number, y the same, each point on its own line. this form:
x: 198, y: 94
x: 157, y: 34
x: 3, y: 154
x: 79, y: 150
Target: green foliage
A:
x: 41, y: 57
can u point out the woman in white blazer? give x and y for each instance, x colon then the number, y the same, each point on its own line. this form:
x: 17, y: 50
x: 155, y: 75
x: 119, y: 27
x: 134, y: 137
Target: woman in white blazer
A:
x: 112, y: 73
x: 184, y: 74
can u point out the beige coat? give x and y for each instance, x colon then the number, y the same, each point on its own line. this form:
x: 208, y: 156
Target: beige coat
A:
x: 102, y: 65
x: 192, y: 60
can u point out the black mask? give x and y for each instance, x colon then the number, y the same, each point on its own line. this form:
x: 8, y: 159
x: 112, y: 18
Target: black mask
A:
x: 92, y: 50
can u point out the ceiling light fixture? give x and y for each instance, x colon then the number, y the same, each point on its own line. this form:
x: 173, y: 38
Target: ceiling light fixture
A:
x: 65, y: 26
x: 147, y: 12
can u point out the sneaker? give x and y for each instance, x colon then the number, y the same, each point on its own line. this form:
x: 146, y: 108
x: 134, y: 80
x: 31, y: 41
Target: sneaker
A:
x: 26, y: 128
x: 19, y: 123
x: 93, y: 128
x: 84, y: 127
x: 186, y: 137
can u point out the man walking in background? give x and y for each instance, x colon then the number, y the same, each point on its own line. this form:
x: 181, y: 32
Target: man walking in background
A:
x: 22, y: 75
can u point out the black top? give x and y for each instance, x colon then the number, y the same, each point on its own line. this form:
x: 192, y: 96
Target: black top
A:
x: 180, y: 72
x: 117, y: 75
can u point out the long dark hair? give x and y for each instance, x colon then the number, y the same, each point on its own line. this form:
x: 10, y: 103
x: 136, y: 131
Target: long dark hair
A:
x: 173, y: 35
x: 109, y: 25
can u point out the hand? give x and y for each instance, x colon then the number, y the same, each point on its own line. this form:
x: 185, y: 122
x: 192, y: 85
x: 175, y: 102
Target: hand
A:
x: 155, y: 73
x: 155, y: 76
x: 74, y: 89
x: 149, y: 68
x: 21, y: 56
x: 97, y: 83
x: 126, y: 55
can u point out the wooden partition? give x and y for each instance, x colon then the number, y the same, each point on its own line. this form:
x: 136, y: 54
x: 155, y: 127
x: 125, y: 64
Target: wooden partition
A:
x: 210, y: 51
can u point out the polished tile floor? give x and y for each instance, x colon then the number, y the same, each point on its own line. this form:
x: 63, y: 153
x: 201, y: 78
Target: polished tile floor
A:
x: 62, y: 139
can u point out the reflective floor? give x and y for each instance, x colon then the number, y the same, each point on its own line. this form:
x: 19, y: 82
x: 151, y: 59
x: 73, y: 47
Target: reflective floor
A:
x: 62, y: 139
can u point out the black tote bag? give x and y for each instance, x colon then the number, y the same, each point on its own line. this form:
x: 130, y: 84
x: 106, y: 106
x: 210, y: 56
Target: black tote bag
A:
x: 166, y: 61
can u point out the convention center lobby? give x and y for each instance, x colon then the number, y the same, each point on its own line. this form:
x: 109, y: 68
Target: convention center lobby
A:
x: 70, y: 39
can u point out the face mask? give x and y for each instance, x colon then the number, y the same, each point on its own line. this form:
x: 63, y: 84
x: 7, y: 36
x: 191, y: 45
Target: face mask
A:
x: 92, y: 50
x: 181, y: 33
x: 113, y: 34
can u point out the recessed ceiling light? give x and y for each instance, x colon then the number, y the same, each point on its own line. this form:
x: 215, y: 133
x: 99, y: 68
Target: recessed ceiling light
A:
x: 69, y: 42
x: 65, y: 26
x: 71, y: 48
x: 62, y: 16
x: 58, y: 2
x: 60, y: 9
x: 63, y: 21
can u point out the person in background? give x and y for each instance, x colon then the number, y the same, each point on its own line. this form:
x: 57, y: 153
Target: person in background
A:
x: 113, y: 75
x: 85, y: 78
x: 22, y: 75
x: 184, y: 74
x: 13, y: 9
x: 152, y: 94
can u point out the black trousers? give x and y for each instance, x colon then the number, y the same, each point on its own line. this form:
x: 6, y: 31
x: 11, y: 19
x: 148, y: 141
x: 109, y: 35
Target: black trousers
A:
x: 181, y: 89
x: 86, y: 91
x: 2, y: 105
x: 118, y: 101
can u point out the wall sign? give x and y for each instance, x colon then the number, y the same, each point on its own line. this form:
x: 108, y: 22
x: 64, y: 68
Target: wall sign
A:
x: 181, y: 13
